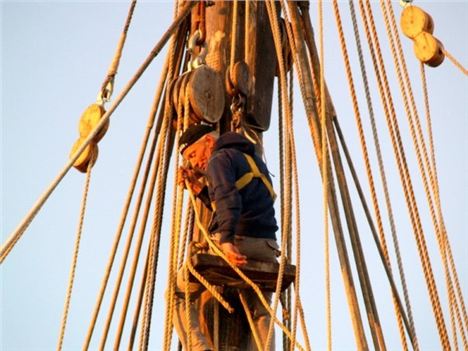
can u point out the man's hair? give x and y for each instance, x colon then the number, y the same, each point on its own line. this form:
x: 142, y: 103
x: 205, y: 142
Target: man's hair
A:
x: 192, y: 134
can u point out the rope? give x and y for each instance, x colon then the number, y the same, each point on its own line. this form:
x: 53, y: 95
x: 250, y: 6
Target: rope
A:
x: 308, y: 96
x: 445, y: 244
x: 107, y: 85
x: 455, y: 62
x: 76, y: 250
x: 241, y: 274
x: 126, y: 206
x: 322, y: 109
x: 233, y: 36
x: 257, y: 340
x: 384, y: 180
x: 187, y: 308
x: 441, y: 235
x: 404, y: 174
x: 286, y: 222
x: 21, y: 228
x: 365, y: 153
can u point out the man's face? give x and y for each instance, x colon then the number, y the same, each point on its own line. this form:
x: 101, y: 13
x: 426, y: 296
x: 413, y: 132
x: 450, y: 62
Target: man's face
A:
x: 198, y: 154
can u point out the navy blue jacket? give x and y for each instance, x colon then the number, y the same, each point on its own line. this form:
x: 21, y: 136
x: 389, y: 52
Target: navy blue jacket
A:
x: 245, y: 212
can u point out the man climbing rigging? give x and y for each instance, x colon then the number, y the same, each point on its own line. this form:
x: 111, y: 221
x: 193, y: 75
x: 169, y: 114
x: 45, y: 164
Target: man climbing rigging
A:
x: 240, y: 193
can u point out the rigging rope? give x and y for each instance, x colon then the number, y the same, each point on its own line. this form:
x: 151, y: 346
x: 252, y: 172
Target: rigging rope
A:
x: 21, y: 228
x: 366, y: 159
x: 403, y: 168
x: 107, y: 86
x: 286, y: 220
x: 439, y: 226
x: 126, y: 206
x: 323, y: 129
x: 76, y: 250
x: 446, y: 248
x: 455, y: 62
x: 383, y: 179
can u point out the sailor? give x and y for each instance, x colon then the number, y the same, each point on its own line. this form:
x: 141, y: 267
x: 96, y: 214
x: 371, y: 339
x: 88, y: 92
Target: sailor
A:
x: 240, y: 193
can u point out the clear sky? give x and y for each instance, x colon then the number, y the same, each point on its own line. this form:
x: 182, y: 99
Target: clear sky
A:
x: 54, y: 57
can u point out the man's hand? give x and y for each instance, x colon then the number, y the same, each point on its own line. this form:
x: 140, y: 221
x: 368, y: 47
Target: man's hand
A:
x: 233, y: 255
x: 191, y: 176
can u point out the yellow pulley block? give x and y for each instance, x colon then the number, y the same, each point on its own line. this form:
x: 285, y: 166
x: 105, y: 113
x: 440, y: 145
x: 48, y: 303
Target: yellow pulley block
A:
x: 89, y: 155
x: 90, y: 119
x: 428, y: 49
x: 415, y: 21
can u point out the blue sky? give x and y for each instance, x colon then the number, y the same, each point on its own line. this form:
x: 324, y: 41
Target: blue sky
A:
x: 54, y: 56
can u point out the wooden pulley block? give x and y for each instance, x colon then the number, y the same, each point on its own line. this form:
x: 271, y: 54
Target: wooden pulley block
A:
x: 428, y: 49
x: 415, y: 21
x: 89, y: 154
x: 90, y: 118
x: 206, y: 93
x: 238, y: 79
x: 177, y: 89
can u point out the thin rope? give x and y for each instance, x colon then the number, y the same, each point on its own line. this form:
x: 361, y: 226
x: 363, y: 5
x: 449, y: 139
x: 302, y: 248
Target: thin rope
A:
x: 404, y: 174
x: 21, y: 228
x: 455, y: 62
x: 367, y: 161
x: 74, y: 262
x: 441, y: 234
x: 445, y: 248
x: 286, y: 222
x: 126, y: 206
x: 383, y: 179
x: 304, y: 65
x: 323, y: 116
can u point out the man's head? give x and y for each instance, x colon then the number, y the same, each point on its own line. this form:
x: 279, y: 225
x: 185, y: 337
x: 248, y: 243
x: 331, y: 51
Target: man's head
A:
x: 196, y: 145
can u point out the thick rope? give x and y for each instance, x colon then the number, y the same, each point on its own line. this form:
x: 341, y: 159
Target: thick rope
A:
x: 404, y: 174
x: 76, y: 250
x: 383, y: 179
x: 366, y: 159
x: 21, y: 228
x: 455, y: 62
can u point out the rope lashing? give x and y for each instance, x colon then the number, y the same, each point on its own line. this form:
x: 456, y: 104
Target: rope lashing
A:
x: 21, y: 228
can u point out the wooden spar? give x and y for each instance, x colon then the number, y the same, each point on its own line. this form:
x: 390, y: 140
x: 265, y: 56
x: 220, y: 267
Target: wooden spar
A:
x: 311, y: 110
x: 372, y: 313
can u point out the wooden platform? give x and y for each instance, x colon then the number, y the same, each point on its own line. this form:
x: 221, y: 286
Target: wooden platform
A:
x: 217, y: 272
